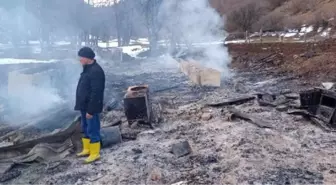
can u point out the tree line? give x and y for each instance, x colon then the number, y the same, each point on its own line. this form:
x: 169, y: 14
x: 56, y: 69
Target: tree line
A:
x: 78, y: 21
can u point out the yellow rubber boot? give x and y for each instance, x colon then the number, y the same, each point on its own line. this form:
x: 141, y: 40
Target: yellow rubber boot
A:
x: 94, y: 153
x: 86, y: 148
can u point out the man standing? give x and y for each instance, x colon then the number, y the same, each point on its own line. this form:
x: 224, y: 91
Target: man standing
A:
x: 89, y: 101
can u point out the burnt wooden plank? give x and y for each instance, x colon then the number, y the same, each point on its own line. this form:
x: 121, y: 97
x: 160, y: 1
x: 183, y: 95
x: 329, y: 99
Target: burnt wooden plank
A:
x: 53, y: 138
x: 232, y: 101
x: 259, y: 122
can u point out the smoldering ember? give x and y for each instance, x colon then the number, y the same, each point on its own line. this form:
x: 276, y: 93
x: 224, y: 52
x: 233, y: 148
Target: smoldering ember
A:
x: 196, y: 92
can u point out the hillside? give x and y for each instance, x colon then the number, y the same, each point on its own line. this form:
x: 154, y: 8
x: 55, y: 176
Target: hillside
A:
x: 253, y: 15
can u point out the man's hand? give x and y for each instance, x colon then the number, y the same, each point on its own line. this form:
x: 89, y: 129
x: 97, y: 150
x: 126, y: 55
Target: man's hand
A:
x: 88, y: 116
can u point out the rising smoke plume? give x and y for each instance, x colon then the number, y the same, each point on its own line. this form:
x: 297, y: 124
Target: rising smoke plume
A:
x: 196, y: 25
x: 32, y: 94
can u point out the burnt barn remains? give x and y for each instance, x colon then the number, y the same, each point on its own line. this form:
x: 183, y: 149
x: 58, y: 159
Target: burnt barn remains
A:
x: 169, y: 125
x: 173, y: 110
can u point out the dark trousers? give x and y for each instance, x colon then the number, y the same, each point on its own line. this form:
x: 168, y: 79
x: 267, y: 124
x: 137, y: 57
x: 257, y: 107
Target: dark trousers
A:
x: 91, y: 127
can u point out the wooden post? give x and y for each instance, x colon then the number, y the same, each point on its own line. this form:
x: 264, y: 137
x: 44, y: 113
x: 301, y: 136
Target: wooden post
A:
x: 261, y: 32
x: 305, y: 37
x: 246, y: 36
x: 282, y: 38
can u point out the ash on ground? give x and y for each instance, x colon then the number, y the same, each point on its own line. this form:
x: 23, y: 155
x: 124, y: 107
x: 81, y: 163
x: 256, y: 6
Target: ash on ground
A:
x: 223, y: 151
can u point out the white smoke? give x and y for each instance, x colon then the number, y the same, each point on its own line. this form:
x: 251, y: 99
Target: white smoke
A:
x: 34, y: 101
x: 33, y: 92
x: 196, y: 25
x: 30, y: 94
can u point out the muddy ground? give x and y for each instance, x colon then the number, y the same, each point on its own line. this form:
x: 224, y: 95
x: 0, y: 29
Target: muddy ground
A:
x: 224, y: 151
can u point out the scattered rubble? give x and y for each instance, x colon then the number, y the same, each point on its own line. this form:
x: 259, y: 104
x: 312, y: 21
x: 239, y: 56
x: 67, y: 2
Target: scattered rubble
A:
x: 9, y: 175
x: 181, y: 149
x: 156, y: 174
x: 260, y: 123
x: 320, y: 105
x: 232, y: 101
x: 277, y: 148
x: 282, y: 108
x: 206, y: 116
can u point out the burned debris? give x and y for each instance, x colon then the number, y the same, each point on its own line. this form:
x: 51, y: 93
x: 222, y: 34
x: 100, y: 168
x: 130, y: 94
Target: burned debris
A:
x: 17, y: 148
x: 110, y: 136
x: 181, y: 149
x: 257, y: 121
x: 232, y: 101
x: 320, y: 105
x: 178, y: 109
x: 137, y: 105
x: 193, y: 143
x: 205, y: 134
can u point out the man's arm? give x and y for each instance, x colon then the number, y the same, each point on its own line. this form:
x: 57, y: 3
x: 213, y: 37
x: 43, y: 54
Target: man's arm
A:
x: 96, y: 84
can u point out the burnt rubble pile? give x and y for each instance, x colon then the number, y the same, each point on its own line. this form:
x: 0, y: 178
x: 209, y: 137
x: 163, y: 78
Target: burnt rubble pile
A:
x: 317, y: 104
x: 31, y: 143
x: 159, y: 129
x: 320, y: 106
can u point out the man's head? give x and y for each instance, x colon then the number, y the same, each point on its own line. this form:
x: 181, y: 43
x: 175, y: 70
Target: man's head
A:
x: 86, y: 56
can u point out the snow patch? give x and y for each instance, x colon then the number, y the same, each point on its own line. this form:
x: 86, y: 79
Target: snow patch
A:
x: 62, y: 43
x: 305, y: 30
x: 143, y: 41
x: 34, y: 42
x: 23, y: 61
x: 326, y: 32
x: 255, y: 34
x: 133, y: 51
x: 291, y: 34
x: 111, y: 43
x: 235, y: 41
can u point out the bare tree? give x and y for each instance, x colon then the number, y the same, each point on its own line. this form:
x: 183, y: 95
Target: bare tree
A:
x: 124, y: 11
x: 151, y: 11
x: 245, y: 17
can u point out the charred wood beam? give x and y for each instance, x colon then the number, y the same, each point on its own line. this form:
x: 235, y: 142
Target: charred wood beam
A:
x: 129, y: 136
x: 315, y: 119
x: 116, y: 123
x: 232, y: 101
x: 6, y: 129
x: 266, y: 103
x: 258, y: 122
x: 167, y: 88
x: 53, y: 138
x: 57, y: 118
x: 299, y: 112
x: 11, y: 174
x: 322, y: 125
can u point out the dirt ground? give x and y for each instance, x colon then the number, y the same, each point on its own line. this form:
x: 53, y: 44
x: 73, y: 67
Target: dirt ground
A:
x: 313, y: 62
x: 224, y: 151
